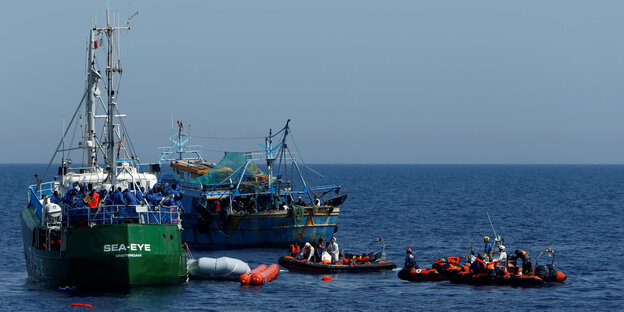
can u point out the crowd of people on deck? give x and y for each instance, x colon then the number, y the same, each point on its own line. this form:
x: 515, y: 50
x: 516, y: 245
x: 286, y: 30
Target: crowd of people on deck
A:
x: 486, y: 263
x: 251, y: 205
x: 79, y: 197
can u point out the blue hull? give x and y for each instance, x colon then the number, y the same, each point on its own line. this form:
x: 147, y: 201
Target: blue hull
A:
x: 264, y: 229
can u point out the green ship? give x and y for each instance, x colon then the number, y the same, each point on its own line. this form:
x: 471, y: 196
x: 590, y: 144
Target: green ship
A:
x: 79, y: 229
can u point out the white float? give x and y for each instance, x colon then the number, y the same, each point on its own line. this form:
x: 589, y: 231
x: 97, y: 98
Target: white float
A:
x: 223, y: 268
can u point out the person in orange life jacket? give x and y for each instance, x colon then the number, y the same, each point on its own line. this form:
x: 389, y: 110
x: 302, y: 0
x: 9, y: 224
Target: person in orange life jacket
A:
x: 410, y: 261
x: 95, y: 199
x: 478, y: 266
x: 345, y: 259
x: 294, y: 249
x: 491, y: 268
x: 364, y: 258
x: 527, y: 265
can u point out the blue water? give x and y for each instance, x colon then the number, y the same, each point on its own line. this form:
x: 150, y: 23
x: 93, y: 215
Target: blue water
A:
x: 438, y: 211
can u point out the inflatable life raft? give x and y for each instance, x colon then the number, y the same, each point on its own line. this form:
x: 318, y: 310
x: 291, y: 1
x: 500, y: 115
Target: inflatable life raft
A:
x: 223, y: 268
x: 458, y: 274
x: 421, y: 275
x: 303, y: 265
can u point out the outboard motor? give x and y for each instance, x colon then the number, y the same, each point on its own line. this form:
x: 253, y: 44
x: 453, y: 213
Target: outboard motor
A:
x: 548, y: 273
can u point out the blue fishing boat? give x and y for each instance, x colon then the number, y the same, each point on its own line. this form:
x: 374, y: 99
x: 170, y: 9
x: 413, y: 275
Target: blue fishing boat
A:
x: 250, y: 199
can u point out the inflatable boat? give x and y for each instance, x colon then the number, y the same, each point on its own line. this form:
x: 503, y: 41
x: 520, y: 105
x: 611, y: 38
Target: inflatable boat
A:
x: 322, y: 267
x: 460, y: 274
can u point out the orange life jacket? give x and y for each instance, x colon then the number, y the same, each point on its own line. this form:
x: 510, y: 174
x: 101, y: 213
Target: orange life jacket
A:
x: 94, y: 200
x: 490, y: 266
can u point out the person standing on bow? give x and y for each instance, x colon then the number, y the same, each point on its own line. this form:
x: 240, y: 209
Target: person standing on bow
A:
x: 410, y: 261
x: 487, y: 248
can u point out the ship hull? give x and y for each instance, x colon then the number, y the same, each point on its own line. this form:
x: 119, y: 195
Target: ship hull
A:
x: 114, y: 255
x: 263, y: 229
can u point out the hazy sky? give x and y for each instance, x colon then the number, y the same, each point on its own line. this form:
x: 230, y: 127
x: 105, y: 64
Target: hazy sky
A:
x: 363, y: 81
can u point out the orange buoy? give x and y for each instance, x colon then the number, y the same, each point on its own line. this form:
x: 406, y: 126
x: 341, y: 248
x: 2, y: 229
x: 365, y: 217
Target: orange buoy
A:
x: 560, y: 277
x: 265, y: 276
x: 244, y: 279
x: 327, y: 278
x: 84, y: 305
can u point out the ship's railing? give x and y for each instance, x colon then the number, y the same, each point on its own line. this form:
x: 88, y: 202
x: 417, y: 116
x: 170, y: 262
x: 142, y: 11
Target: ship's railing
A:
x: 115, y: 214
x: 46, y: 189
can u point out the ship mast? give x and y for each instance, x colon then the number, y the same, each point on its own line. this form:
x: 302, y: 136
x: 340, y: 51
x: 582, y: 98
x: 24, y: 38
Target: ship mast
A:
x: 110, y: 32
x: 93, y: 77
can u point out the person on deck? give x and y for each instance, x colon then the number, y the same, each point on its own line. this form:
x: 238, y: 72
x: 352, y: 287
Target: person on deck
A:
x: 55, y: 199
x: 106, y: 198
x: 487, y: 249
x: 527, y: 265
x: 139, y: 195
x: 69, y: 196
x: 95, y: 199
x: 332, y: 249
x: 317, y: 201
x: 117, y: 197
x: 410, y: 262
x: 300, y: 202
x: 130, y: 198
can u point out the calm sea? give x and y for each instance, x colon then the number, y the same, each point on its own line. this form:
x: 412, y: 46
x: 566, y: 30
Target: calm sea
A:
x: 436, y: 210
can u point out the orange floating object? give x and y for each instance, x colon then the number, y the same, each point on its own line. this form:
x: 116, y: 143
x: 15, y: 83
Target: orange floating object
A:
x: 245, y: 279
x: 327, y: 278
x: 265, y: 276
x: 84, y: 305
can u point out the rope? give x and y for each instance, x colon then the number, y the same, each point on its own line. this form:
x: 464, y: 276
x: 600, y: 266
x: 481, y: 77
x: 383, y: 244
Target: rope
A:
x: 84, y: 95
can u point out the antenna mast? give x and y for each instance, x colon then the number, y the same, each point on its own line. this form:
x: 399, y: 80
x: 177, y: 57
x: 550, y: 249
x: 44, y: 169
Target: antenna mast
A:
x: 110, y: 32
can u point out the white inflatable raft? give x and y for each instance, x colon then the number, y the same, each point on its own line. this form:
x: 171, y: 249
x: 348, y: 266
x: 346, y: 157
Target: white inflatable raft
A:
x: 223, y: 268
